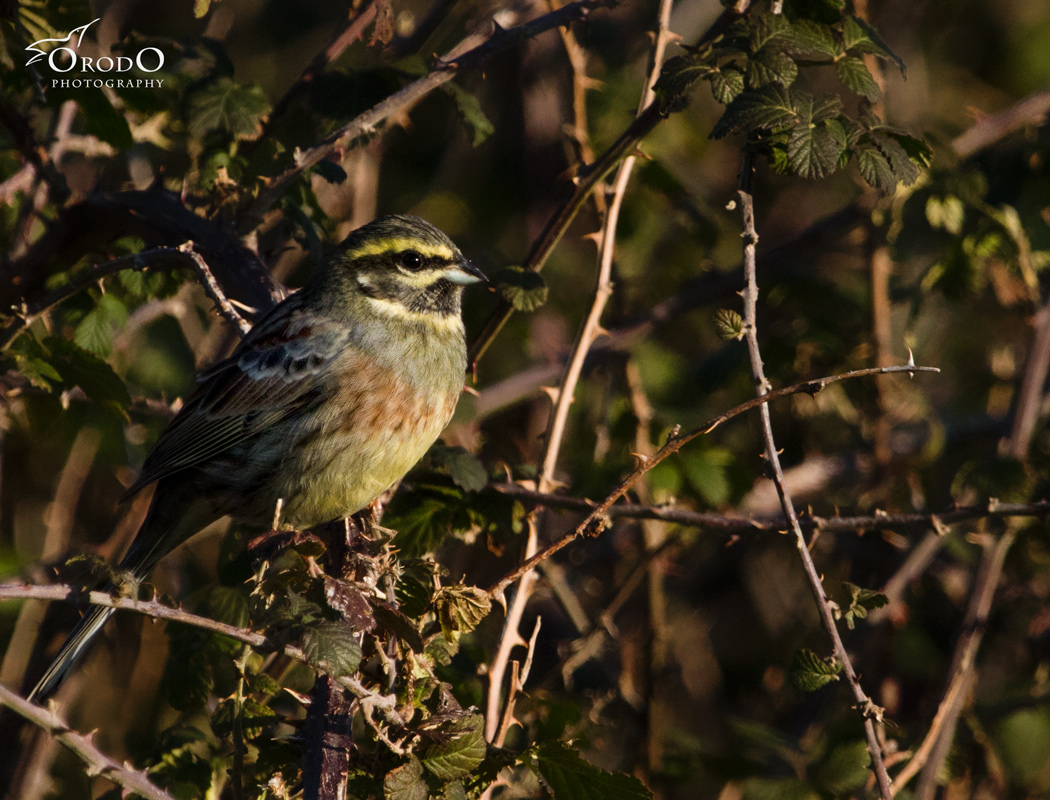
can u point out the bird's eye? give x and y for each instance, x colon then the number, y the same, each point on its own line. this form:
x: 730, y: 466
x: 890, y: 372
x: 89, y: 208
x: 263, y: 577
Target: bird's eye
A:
x: 411, y: 260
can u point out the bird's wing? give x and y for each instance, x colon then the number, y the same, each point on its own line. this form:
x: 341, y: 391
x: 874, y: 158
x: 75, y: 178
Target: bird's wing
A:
x: 275, y: 372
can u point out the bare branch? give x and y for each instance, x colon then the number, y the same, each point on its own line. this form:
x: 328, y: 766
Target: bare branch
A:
x: 211, y: 286
x: 863, y: 703
x: 470, y: 53
x: 98, y: 763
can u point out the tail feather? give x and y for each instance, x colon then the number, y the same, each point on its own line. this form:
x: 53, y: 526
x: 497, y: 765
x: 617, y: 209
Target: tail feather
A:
x: 71, y: 651
x: 177, y: 511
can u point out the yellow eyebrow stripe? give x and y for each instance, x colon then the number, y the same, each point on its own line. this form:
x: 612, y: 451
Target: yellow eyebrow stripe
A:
x: 396, y: 245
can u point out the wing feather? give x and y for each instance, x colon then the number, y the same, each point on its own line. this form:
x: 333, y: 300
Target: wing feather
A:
x: 275, y: 373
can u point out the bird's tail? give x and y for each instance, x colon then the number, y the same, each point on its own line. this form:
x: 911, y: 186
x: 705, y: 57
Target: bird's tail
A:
x: 176, y: 513
x: 90, y: 624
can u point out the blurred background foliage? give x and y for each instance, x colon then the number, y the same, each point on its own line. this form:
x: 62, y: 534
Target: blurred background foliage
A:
x: 686, y: 683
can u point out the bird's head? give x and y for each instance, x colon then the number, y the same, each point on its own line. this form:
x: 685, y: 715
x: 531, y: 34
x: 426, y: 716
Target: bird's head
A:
x: 403, y: 267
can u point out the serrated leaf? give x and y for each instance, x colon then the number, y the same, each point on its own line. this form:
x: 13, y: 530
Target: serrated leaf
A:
x: 405, y: 782
x: 470, y: 109
x: 677, y: 77
x: 78, y: 367
x: 771, y: 106
x: 813, y: 151
x: 845, y: 769
x: 767, y: 28
x: 730, y: 324
x: 460, y: 754
x: 460, y: 608
x: 228, y: 107
x: 809, y: 672
x: 769, y: 66
x: 333, y: 647
x: 859, y: 36
x: 569, y: 777
x: 855, y: 74
x: 96, y: 329
x: 726, y: 84
x: 861, y: 602
x: 522, y: 288
x: 810, y: 39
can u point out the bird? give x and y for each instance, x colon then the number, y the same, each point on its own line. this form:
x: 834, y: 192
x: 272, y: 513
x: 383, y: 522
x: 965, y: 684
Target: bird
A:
x: 330, y: 399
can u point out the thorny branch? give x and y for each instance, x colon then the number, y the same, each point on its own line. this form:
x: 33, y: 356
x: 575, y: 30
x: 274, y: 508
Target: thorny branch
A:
x: 157, y: 610
x: 598, y: 519
x: 98, y: 763
x: 470, y: 53
x: 586, y: 182
x: 590, y: 331
x: 862, y: 702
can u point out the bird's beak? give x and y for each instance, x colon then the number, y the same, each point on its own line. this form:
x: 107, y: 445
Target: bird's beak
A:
x: 464, y: 273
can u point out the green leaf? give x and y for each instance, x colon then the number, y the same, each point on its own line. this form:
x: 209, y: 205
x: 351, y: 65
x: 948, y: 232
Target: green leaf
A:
x: 470, y: 109
x: 569, y: 777
x: 884, y: 162
x: 812, y: 40
x: 726, y: 84
x: 771, y: 106
x: 465, y: 469
x: 768, y: 28
x: 95, y: 331
x: 227, y: 107
x: 227, y: 604
x: 769, y: 66
x: 861, y: 602
x: 78, y: 367
x: 854, y: 73
x: 810, y: 672
x: 729, y: 324
x: 460, y: 608
x: 859, y: 36
x: 332, y: 647
x: 677, y: 76
x: 813, y: 150
x: 405, y: 782
x: 460, y: 753
x: 522, y: 288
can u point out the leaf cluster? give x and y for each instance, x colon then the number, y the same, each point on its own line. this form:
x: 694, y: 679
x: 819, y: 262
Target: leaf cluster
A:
x: 752, y: 69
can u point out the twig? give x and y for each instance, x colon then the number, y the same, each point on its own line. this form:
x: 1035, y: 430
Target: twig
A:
x: 862, y: 702
x: 98, y: 763
x: 159, y: 258
x: 1030, y: 111
x: 934, y: 748
x: 470, y: 53
x: 157, y: 610
x: 214, y: 291
x: 739, y: 526
x: 589, y: 331
x: 353, y: 31
x: 586, y: 182
x: 519, y: 674
x: 597, y: 520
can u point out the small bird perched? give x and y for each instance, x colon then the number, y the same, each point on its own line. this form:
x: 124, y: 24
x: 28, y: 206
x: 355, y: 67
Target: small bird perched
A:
x: 330, y: 399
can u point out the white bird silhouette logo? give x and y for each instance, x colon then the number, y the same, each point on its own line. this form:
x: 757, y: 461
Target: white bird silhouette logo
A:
x: 34, y: 48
